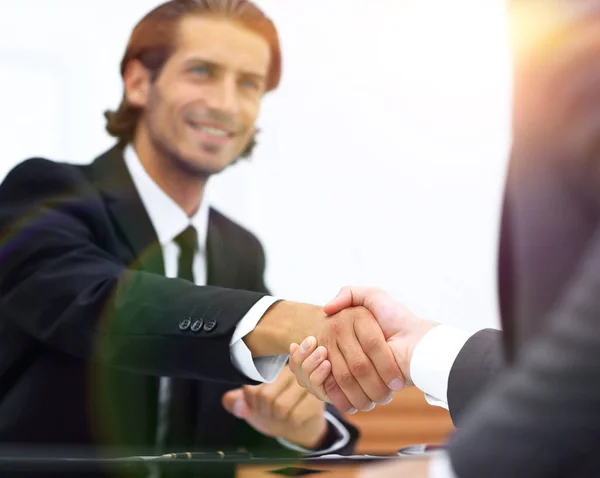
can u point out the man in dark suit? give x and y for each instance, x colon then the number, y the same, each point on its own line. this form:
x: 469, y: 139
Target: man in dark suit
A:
x: 97, y: 346
x: 526, y: 400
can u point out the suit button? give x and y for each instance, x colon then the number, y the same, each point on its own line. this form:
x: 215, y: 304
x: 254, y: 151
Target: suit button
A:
x: 185, y: 324
x: 210, y: 325
x: 196, y: 326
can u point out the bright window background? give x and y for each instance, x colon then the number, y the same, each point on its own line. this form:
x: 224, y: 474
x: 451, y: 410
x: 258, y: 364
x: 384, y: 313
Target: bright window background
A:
x: 383, y: 154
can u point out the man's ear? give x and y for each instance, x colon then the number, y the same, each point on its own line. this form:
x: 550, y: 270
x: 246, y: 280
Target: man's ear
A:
x: 138, y: 81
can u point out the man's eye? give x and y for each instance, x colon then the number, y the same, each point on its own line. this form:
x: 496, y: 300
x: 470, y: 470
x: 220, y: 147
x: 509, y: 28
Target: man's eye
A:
x: 200, y: 69
x: 250, y: 84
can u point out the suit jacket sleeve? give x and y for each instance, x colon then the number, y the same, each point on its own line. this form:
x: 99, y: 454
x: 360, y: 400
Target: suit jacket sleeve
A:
x: 474, y: 369
x: 542, y: 416
x: 61, y: 286
x: 265, y: 445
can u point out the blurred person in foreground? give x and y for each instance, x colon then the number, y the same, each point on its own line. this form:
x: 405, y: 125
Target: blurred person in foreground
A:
x: 131, y: 311
x: 526, y: 401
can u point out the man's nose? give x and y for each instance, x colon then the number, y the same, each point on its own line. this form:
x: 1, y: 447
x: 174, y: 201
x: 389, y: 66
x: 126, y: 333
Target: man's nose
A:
x: 223, y: 96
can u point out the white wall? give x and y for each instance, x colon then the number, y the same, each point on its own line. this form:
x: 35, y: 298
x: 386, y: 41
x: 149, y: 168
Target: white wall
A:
x: 383, y: 153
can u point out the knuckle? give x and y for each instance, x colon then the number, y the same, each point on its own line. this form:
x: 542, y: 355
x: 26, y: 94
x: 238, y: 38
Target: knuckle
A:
x: 325, y: 338
x: 315, y: 382
x: 347, y: 313
x: 305, y: 369
x: 331, y: 386
x: 365, y: 314
x: 280, y: 408
x: 295, y: 361
x: 345, y: 378
x: 296, y: 419
x: 265, y: 396
x: 371, y: 343
x: 359, y: 368
x: 336, y: 327
x: 391, y: 368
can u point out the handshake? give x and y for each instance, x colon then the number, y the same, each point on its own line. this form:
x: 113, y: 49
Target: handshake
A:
x: 354, y: 353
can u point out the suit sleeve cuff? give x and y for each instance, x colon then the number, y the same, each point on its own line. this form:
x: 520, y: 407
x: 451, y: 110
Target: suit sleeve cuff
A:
x: 261, y: 369
x: 432, y: 361
x: 342, y: 440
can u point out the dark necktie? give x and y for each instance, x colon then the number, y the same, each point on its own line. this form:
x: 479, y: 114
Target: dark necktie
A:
x: 178, y: 420
x: 188, y: 246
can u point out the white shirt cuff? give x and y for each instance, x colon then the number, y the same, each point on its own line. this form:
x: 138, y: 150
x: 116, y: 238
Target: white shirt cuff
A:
x: 261, y: 369
x: 441, y: 467
x: 432, y: 361
x: 340, y: 443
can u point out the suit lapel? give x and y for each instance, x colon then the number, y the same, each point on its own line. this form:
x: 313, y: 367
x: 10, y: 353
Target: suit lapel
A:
x: 112, y: 178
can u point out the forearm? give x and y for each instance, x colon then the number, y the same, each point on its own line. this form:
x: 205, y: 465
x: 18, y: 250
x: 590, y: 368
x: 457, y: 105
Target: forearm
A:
x: 474, y: 369
x: 86, y: 305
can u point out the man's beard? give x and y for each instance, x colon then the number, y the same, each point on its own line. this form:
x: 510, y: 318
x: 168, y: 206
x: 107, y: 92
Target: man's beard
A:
x: 189, y: 168
x: 169, y: 151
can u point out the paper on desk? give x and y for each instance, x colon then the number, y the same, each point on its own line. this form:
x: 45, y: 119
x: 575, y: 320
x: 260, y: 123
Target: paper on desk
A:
x: 334, y: 456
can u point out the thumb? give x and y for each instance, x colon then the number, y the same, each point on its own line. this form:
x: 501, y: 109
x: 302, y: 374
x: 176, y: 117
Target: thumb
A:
x: 342, y: 301
x: 234, y: 402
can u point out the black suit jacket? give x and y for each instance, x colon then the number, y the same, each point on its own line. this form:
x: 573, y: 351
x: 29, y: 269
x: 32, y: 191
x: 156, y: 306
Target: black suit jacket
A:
x: 527, y: 401
x: 88, y: 321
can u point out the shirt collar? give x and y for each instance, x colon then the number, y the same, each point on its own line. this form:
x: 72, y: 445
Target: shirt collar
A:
x: 167, y: 217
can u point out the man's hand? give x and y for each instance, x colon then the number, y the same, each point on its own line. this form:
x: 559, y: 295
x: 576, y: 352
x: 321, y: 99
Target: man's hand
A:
x: 400, y: 327
x: 363, y: 367
x: 403, y: 330
x: 280, y: 409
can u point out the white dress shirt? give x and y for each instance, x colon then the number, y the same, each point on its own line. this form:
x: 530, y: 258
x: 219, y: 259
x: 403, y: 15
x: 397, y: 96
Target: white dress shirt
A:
x: 441, y: 467
x: 430, y: 367
x: 432, y: 361
x: 169, y: 220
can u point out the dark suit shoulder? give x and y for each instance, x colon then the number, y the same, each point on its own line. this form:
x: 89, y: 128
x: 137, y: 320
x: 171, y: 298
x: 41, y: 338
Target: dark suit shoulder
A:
x: 245, y: 254
x: 39, y: 176
x: 233, y: 230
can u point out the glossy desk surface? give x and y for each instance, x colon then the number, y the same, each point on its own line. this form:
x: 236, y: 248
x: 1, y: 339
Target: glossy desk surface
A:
x: 191, y: 468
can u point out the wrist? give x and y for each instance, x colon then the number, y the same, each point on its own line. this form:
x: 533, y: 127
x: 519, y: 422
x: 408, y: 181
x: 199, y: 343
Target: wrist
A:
x: 311, y: 438
x: 404, y: 345
x: 419, y: 333
x: 283, y: 323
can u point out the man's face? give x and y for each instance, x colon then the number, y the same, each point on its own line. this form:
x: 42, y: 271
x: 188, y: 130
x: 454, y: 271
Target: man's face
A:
x: 202, y: 107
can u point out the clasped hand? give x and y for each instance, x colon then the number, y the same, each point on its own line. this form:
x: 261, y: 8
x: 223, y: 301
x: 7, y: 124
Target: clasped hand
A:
x: 280, y: 409
x: 375, y: 349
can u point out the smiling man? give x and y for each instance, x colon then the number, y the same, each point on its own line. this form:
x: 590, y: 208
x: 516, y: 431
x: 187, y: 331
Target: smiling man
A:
x: 133, y: 308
